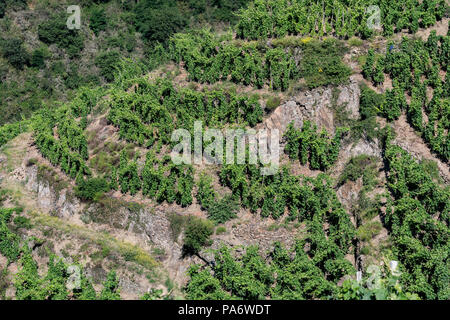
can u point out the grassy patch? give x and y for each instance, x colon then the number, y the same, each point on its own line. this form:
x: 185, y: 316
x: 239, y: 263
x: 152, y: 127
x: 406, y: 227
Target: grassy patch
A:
x: 369, y: 230
x: 103, y: 239
x: 221, y: 230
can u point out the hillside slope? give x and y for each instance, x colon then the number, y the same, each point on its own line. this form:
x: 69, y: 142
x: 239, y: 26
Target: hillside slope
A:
x: 363, y: 177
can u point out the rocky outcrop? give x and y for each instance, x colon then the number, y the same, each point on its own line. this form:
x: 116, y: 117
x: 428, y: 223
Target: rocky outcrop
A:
x: 149, y: 224
x: 318, y: 105
x: 62, y: 202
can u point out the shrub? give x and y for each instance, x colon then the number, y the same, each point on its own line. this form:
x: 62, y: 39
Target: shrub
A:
x: 272, y: 103
x: 31, y: 162
x: 367, y: 231
x: 55, y: 31
x: 22, y: 222
x: 220, y: 230
x: 177, y: 223
x: 98, y: 20
x: 107, y: 62
x: 370, y: 103
x: 158, y: 22
x: 38, y: 59
x: 225, y: 209
x: 14, y: 51
x: 359, y: 166
x: 197, y: 234
x: 322, y: 64
x: 111, y: 289
x: 91, y: 188
x: 2, y: 9
x: 9, y: 241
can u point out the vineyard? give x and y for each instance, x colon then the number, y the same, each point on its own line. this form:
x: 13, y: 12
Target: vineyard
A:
x: 208, y: 58
x: 414, y: 67
x: 347, y: 200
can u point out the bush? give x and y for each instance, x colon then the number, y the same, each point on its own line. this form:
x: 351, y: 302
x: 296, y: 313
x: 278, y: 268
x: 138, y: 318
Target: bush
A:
x: 158, y: 22
x: 197, y: 234
x: 177, y: 223
x: 2, y: 9
x: 223, y: 210
x: 370, y: 102
x: 91, y: 188
x: 359, y: 166
x: 55, y: 31
x: 38, y: 59
x: 111, y: 289
x: 9, y: 241
x: 107, y: 62
x: 224, y: 10
x: 221, y: 230
x: 322, y: 63
x: 272, y: 103
x: 14, y: 51
x: 22, y: 222
x: 98, y: 20
x: 369, y: 230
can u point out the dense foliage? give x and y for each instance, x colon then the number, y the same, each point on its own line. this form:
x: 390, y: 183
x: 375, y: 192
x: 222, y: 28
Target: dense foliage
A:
x: 144, y: 113
x: 414, y: 67
x: 55, y: 31
x: 9, y: 241
x: 278, y: 18
x: 30, y: 285
x: 418, y: 218
x: 209, y: 58
x: 279, y: 274
x: 308, y: 145
x: 154, y: 110
x: 196, y: 235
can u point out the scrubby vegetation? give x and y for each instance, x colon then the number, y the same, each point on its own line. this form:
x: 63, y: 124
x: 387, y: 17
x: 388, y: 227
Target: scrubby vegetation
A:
x: 100, y: 105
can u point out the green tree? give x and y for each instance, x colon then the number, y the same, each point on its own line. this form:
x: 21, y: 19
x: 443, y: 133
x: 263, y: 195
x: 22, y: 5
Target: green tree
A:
x: 98, y: 20
x: 196, y: 235
x: 14, y: 51
x: 157, y: 22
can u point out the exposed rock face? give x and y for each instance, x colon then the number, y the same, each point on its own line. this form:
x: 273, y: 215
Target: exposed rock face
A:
x: 316, y: 105
x: 47, y: 199
x: 150, y: 226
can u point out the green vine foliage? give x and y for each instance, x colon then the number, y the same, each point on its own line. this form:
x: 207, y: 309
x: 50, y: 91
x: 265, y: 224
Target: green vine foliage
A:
x: 271, y: 19
x: 209, y: 59
x: 418, y: 218
x: 407, y: 63
x: 52, y: 285
x: 164, y: 181
x: 281, y: 274
x: 9, y: 241
x: 309, y: 145
x: 11, y: 130
x: 150, y: 114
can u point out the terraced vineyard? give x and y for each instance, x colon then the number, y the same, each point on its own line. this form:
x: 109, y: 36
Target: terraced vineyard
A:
x: 349, y: 214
